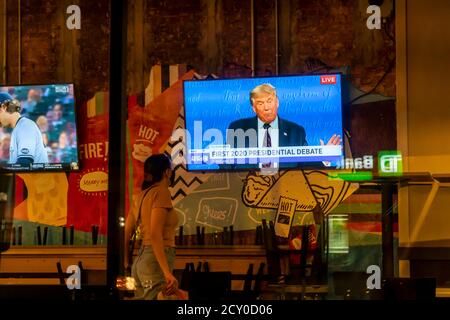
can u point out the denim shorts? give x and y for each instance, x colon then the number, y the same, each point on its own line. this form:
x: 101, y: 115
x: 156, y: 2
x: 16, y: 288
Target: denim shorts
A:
x: 148, y: 274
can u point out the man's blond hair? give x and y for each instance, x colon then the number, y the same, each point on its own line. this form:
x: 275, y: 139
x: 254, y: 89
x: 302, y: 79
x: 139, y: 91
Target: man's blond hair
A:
x: 265, y: 88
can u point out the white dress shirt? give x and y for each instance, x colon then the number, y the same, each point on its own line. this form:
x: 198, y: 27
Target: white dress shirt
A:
x: 273, y: 132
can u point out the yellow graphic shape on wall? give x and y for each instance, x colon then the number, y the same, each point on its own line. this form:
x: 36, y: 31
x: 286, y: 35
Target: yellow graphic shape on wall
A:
x: 309, y: 188
x: 264, y: 191
x: 47, y: 197
x: 329, y: 192
x: 96, y: 181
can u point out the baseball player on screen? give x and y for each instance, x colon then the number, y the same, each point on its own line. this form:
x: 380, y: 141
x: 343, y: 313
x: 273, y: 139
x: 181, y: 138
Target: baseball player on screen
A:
x: 27, y: 145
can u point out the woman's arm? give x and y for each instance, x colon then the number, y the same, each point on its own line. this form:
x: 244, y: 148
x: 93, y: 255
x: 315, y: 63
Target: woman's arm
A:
x: 158, y: 219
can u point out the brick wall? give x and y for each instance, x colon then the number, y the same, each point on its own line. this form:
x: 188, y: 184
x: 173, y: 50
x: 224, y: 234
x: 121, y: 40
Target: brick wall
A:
x: 40, y: 45
x: 265, y: 27
x: 92, y: 70
x: 236, y: 39
x: 331, y: 32
x: 173, y: 32
x: 52, y: 53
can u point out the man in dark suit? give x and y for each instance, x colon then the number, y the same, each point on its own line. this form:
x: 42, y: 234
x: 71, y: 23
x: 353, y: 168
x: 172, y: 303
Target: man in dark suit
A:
x: 266, y: 128
x: 289, y: 133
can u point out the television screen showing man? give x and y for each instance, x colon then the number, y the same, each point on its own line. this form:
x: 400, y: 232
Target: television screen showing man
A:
x: 38, y: 128
x: 275, y: 122
x: 271, y: 130
x: 26, y: 144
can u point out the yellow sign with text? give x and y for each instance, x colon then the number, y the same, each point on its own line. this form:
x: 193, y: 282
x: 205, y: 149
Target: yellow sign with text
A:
x: 285, y: 215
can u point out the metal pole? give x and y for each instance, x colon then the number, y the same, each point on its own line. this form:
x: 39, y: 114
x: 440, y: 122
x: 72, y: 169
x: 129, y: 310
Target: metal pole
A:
x: 387, y: 230
x: 117, y: 123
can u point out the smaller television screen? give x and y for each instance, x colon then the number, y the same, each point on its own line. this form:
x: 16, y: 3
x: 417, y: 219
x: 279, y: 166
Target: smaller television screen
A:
x: 268, y: 122
x: 38, y: 128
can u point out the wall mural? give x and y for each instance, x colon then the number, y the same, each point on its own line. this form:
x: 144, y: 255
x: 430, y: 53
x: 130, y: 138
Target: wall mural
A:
x: 214, y: 200
x: 46, y: 202
x: 218, y: 200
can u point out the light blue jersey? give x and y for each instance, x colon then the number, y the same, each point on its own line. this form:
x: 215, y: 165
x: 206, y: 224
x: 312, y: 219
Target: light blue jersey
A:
x: 26, y: 142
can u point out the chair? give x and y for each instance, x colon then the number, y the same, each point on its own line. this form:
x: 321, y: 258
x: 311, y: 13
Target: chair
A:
x: 274, y: 255
x: 185, y: 278
x: 352, y: 285
x: 249, y: 292
x: 91, y: 277
x: 293, y: 281
x: 44, y: 276
x: 409, y: 289
x: 205, y: 286
x: 36, y: 292
x: 258, y: 280
x: 54, y: 292
x: 298, y: 271
x: 248, y: 279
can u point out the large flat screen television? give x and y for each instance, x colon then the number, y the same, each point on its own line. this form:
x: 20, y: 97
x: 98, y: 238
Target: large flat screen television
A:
x: 38, y: 128
x: 266, y: 122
